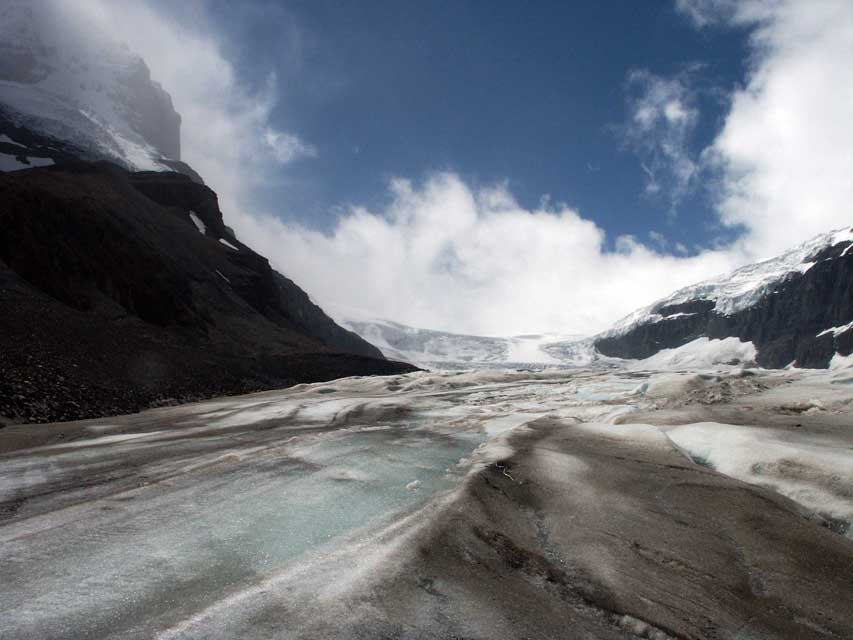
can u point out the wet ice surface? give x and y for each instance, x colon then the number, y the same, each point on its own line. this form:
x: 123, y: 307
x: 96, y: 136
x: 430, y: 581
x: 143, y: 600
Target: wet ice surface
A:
x: 147, y: 520
x: 197, y: 502
x: 814, y: 471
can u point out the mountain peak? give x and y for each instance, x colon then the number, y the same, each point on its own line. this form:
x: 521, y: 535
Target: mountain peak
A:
x: 64, y: 78
x: 794, y: 307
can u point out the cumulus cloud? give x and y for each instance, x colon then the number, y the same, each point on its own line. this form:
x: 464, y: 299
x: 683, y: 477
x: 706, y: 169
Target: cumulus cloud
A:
x: 661, y: 118
x: 780, y: 166
x: 785, y: 152
x: 448, y: 257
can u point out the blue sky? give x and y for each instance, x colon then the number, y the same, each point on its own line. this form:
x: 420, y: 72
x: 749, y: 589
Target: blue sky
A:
x: 504, y: 168
x: 534, y: 95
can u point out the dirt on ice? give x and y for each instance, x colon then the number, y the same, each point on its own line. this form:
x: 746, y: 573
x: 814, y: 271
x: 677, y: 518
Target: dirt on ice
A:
x: 555, y: 504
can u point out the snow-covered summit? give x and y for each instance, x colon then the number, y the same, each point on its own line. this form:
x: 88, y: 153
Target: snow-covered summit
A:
x: 739, y: 289
x: 794, y: 309
x: 63, y: 78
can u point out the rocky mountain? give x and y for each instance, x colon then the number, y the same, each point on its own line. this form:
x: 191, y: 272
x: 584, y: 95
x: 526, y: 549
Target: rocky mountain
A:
x: 795, y: 309
x: 444, y: 350
x: 121, y: 286
x: 69, y: 91
x: 120, y: 290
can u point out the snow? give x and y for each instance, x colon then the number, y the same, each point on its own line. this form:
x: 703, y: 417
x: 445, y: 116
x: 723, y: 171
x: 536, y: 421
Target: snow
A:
x: 40, y: 162
x: 102, y: 440
x: 234, y: 500
x: 841, y: 362
x: 701, y: 353
x: 812, y: 471
x: 502, y: 424
x: 202, y: 229
x: 8, y: 140
x: 528, y: 349
x: 430, y: 348
x: 11, y: 163
x: 78, y: 89
x: 426, y: 347
x: 739, y: 289
x: 836, y: 331
x: 228, y: 244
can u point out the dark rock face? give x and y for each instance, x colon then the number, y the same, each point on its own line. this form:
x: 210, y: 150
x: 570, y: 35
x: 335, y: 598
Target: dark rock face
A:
x: 784, y: 324
x: 31, y: 143
x: 111, y: 300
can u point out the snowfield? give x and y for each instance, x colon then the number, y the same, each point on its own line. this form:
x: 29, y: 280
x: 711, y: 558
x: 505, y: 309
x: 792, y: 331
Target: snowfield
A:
x: 337, y: 509
x: 440, y: 349
x: 702, y: 353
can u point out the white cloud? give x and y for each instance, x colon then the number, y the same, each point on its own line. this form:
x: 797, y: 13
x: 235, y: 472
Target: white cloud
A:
x: 785, y: 157
x: 286, y: 147
x: 786, y: 148
x: 447, y: 257
x: 661, y: 119
x: 658, y: 239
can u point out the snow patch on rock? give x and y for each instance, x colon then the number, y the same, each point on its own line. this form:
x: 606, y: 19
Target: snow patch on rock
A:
x: 11, y: 163
x: 202, y: 228
x: 841, y: 362
x: 702, y: 353
x: 836, y: 331
x: 6, y: 139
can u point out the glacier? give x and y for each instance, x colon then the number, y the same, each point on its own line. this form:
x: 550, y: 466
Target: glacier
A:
x: 445, y: 350
x: 244, y: 515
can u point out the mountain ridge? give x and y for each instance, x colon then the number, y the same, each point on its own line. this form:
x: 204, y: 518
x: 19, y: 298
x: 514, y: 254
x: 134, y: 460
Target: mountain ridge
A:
x: 791, y: 307
x: 112, y: 299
